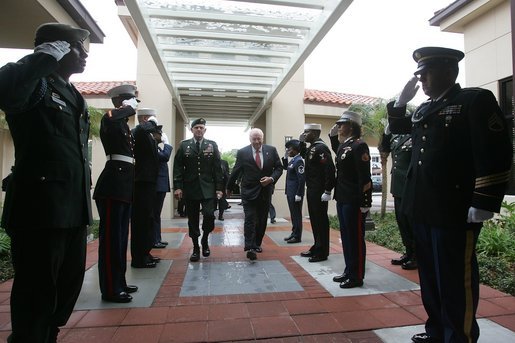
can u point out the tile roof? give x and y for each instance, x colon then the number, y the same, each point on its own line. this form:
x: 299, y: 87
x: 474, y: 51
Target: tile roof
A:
x: 310, y: 95
x: 99, y: 87
x: 326, y: 97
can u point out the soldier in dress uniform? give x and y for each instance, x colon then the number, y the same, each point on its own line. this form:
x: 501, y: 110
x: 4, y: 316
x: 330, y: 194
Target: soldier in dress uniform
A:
x: 320, y: 181
x: 457, y: 177
x: 113, y: 195
x: 400, y: 148
x: 146, y: 169
x: 295, y: 184
x: 197, y: 177
x: 47, y: 205
x: 353, y: 195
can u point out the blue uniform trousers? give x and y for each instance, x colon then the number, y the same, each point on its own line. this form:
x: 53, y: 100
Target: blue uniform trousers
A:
x: 112, y: 245
x: 449, y: 280
x: 296, y: 216
x: 352, y: 233
x: 158, y: 207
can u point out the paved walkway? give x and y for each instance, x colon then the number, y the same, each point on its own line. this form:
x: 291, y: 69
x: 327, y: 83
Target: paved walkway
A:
x: 279, y: 298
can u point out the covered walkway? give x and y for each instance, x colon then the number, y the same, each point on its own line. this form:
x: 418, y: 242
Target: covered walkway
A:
x: 279, y: 298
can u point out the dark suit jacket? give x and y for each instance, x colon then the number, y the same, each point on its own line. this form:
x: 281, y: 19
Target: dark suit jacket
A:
x: 49, y: 124
x: 251, y: 174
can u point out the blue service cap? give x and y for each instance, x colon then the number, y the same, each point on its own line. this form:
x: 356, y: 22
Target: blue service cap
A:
x: 293, y: 143
x: 431, y: 56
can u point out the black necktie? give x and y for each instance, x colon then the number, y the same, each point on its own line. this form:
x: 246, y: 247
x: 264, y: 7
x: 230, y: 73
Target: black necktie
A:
x: 198, y: 146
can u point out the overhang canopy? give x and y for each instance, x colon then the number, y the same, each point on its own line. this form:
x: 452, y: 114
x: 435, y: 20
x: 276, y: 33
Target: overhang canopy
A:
x: 226, y: 60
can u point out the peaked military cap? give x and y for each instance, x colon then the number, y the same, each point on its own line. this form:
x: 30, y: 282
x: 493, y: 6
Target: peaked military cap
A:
x: 124, y: 91
x: 198, y: 121
x: 50, y: 32
x: 313, y: 127
x: 349, y: 116
x: 146, y: 112
x: 434, y: 56
x: 293, y: 143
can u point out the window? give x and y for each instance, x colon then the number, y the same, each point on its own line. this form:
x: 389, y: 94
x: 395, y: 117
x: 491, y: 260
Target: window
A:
x: 506, y: 102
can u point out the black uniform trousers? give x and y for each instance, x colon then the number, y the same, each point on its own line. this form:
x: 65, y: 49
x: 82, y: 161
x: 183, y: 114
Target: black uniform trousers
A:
x: 158, y: 208
x: 296, y: 215
x: 449, y: 280
x: 317, y: 210
x: 49, y: 267
x: 405, y: 228
x: 256, y: 218
x: 208, y: 214
x: 112, y: 247
x: 352, y: 234
x: 142, y: 221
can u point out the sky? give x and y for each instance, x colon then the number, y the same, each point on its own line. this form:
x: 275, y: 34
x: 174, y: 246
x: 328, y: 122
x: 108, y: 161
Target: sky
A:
x: 367, y: 52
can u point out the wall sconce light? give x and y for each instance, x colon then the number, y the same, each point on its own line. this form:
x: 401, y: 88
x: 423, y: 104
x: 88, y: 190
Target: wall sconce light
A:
x: 287, y: 139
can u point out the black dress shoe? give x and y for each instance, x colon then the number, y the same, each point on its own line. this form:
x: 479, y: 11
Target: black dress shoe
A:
x: 424, y: 338
x: 205, y: 250
x: 159, y: 245
x: 317, y: 259
x: 164, y: 243
x: 122, y: 297
x: 195, y: 256
x: 349, y: 283
x: 399, y: 261
x: 149, y: 264
x: 273, y: 221
x: 131, y: 289
x: 293, y: 240
x: 228, y: 207
x: 221, y: 218
x: 340, y: 278
x: 154, y: 259
x: 251, y: 255
x: 289, y: 237
x: 410, y: 265
x: 258, y: 249
x: 308, y: 253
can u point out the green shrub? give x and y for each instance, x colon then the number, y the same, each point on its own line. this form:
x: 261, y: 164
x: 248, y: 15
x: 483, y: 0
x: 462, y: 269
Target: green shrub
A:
x: 5, y: 243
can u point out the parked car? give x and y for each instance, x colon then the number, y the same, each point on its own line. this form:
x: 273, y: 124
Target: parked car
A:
x: 377, y: 183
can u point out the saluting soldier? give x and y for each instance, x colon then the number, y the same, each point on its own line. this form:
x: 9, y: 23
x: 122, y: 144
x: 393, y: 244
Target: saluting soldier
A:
x: 145, y: 181
x: 113, y: 195
x: 457, y: 177
x: 197, y: 178
x: 47, y: 205
x: 400, y: 148
x: 320, y: 181
x: 353, y: 195
x: 295, y: 184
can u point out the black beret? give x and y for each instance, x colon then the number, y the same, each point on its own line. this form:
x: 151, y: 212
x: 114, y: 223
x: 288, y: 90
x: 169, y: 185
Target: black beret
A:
x: 198, y: 121
x: 51, y: 32
x: 293, y: 143
x: 436, y: 56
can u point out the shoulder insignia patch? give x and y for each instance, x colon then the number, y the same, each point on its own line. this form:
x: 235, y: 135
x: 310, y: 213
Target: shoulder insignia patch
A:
x: 300, y: 169
x: 495, y: 123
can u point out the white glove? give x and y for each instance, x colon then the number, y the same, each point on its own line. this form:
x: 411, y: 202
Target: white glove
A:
x: 364, y: 209
x: 56, y: 49
x: 286, y: 154
x: 477, y: 215
x: 154, y: 119
x: 408, y: 92
x: 298, y: 198
x: 164, y: 138
x: 334, y: 131
x: 132, y: 102
x: 325, y: 197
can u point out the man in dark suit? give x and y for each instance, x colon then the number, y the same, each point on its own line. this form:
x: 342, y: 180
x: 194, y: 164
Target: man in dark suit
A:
x: 145, y: 179
x: 259, y: 167
x: 47, y: 206
x: 295, y: 183
x: 197, y: 178
x: 113, y: 195
x: 222, y: 202
x: 163, y: 183
x: 459, y: 170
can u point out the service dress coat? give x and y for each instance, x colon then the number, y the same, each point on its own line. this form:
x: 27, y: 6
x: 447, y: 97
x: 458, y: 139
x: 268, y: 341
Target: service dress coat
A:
x: 49, y: 123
